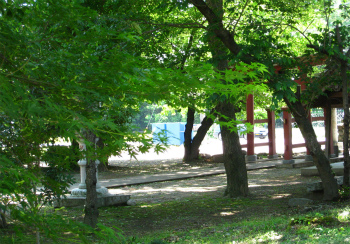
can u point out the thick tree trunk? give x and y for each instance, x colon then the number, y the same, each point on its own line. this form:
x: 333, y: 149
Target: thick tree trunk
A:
x: 234, y: 161
x: 193, y: 150
x: 330, y: 185
x: 188, y: 136
x: 91, y: 209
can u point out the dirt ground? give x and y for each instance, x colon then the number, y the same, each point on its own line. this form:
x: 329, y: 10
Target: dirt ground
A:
x: 199, y: 202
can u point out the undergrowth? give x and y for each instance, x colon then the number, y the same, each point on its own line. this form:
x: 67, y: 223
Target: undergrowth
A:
x: 223, y: 221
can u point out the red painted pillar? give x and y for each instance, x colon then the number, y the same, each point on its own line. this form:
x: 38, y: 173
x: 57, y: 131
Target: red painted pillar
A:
x: 271, y: 125
x: 251, y: 157
x: 287, y: 127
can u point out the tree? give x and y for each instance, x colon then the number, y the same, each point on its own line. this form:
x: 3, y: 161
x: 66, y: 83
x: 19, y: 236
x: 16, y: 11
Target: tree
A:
x: 332, y: 40
x: 229, y: 40
x: 65, y: 69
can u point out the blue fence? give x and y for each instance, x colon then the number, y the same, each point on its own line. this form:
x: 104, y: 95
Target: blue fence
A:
x: 173, y: 131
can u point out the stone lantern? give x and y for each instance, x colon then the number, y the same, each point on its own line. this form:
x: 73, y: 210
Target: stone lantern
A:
x: 78, y: 195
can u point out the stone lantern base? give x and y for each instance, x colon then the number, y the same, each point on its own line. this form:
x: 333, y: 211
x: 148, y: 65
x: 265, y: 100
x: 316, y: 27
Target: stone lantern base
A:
x: 103, y: 200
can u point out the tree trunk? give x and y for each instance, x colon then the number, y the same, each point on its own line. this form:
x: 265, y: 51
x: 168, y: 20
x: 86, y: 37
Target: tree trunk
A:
x: 345, y: 124
x: 234, y: 161
x: 103, y: 166
x: 91, y: 209
x: 343, y: 72
x: 193, y: 150
x: 3, y: 222
x: 188, y: 136
x: 235, y: 166
x: 330, y: 185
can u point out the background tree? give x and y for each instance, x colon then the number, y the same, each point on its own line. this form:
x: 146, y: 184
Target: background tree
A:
x: 332, y: 40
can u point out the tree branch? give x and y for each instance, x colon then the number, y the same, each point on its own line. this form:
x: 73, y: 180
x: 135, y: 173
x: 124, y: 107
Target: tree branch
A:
x: 240, y: 16
x: 216, y: 25
x: 178, y: 25
x: 293, y: 27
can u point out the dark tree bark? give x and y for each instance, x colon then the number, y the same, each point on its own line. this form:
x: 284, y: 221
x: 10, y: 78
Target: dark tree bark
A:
x: 234, y: 161
x: 192, y: 145
x: 330, y: 185
x: 91, y: 209
x: 188, y: 136
x: 3, y: 222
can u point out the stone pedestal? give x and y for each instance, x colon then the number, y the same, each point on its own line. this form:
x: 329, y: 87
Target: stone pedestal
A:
x: 102, y: 201
x: 273, y: 156
x: 290, y: 161
x: 78, y: 195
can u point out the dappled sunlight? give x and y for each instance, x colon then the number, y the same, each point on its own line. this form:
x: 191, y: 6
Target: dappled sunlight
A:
x: 261, y: 184
x: 175, y: 190
x: 228, y: 213
x: 278, y: 196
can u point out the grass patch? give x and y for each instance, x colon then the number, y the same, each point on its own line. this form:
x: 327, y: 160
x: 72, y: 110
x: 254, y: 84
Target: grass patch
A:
x: 206, y: 220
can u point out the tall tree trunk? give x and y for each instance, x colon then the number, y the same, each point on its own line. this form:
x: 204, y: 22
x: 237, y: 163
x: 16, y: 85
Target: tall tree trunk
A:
x: 235, y: 166
x: 345, y: 124
x: 234, y: 161
x: 91, y: 209
x: 192, y: 151
x: 330, y: 185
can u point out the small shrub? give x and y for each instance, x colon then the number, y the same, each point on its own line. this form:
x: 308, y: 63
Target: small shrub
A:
x: 63, y: 157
